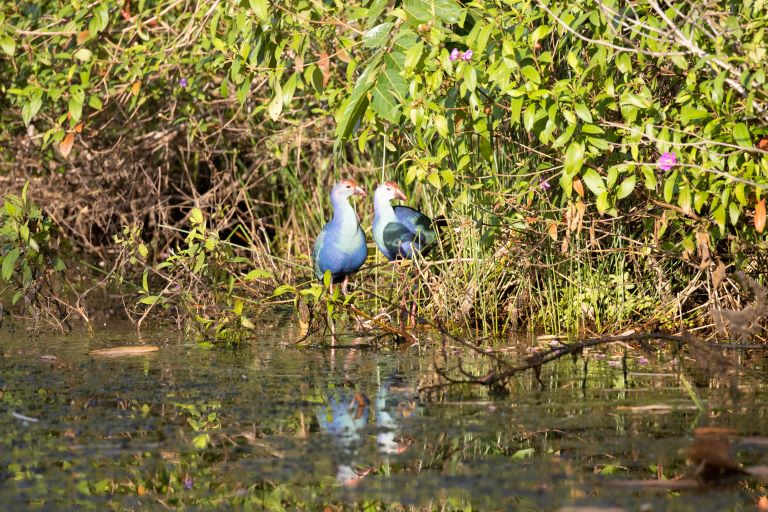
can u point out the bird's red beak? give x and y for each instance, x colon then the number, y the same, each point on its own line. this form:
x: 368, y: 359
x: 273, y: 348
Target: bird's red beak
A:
x: 399, y: 195
x: 359, y: 191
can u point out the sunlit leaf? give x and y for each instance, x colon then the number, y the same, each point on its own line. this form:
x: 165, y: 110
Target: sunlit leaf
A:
x: 759, y: 219
x: 65, y: 146
x: 741, y: 135
x: 378, y: 35
x: 594, y: 181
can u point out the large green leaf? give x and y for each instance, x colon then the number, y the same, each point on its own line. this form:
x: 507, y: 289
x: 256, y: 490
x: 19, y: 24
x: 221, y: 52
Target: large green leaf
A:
x: 378, y: 35
x: 9, y: 263
x: 388, y: 95
x: 741, y: 135
x: 447, y: 11
x: 594, y: 182
x: 374, y: 11
x: 353, y: 108
x: 688, y: 114
x: 574, y: 159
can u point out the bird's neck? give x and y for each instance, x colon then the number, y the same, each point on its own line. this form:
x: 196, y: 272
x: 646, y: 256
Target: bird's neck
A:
x: 383, y: 208
x: 344, y: 216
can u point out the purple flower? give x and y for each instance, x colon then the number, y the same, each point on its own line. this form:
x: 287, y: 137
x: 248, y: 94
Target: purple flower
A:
x: 467, y: 55
x: 642, y: 360
x: 545, y: 185
x: 667, y: 161
x: 183, y: 82
x: 454, y: 54
x: 188, y: 482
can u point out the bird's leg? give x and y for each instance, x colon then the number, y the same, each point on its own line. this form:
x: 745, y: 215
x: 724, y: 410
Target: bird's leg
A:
x: 344, y: 285
x: 331, y: 323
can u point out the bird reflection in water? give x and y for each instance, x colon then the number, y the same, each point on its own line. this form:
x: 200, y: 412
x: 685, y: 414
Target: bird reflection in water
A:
x: 346, y: 416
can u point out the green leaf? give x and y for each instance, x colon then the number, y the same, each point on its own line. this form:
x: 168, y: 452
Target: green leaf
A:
x: 626, y: 187
x: 378, y: 35
x: 529, y: 117
x: 150, y: 300
x: 375, y: 10
x: 434, y: 180
x: 276, y: 105
x: 441, y: 123
x: 583, y: 112
x: 470, y: 78
x: 688, y: 114
x: 684, y: 198
x: 602, y: 202
x: 413, y: 55
x: 524, y: 453
x: 388, y: 95
x: 734, y: 212
x: 257, y: 273
x: 530, y: 74
x: 741, y: 135
x: 30, y: 110
x: 564, y: 137
x: 9, y: 263
x: 200, y: 441
x: 669, y: 186
x: 83, y: 54
x: 8, y: 45
x: 447, y: 11
x: 447, y: 178
x: 260, y: 9
x: 287, y: 288
x: 353, y: 108
x: 290, y: 87
x: 624, y: 62
x: 592, y: 129
x: 594, y: 182
x: 95, y: 103
x: 650, y: 177
x: 574, y: 159
x: 719, y: 216
x: 196, y: 216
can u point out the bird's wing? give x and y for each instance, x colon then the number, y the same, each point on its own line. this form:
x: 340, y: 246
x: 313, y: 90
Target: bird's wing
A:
x: 417, y: 223
x: 398, y: 239
x: 316, y: 253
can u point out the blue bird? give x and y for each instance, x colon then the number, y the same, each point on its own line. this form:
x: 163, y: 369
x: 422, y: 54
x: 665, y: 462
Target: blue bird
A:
x: 399, y: 231
x: 340, y: 247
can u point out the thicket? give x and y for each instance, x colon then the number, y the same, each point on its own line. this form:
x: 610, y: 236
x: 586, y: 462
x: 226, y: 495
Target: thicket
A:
x: 601, y: 163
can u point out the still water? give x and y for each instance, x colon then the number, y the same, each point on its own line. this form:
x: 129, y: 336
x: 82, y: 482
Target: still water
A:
x: 272, y: 426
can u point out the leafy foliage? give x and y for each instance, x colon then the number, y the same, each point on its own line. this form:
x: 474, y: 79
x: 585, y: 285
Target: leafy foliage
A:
x: 579, y: 127
x: 30, y: 260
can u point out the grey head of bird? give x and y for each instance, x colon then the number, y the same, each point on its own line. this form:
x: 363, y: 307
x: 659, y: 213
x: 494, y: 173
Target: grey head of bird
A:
x: 347, y: 188
x: 388, y: 191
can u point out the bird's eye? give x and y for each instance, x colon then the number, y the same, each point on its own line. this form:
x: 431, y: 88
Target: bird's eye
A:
x: 349, y: 186
x: 389, y: 188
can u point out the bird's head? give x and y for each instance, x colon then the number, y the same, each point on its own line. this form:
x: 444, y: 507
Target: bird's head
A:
x: 347, y: 188
x: 389, y: 190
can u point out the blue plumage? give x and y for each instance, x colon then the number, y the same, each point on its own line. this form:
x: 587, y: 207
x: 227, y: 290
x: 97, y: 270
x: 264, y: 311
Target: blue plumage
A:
x: 399, y: 231
x: 341, y: 246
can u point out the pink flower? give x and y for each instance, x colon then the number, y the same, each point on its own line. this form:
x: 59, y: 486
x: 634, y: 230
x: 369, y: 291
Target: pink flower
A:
x: 467, y: 55
x: 667, y: 161
x: 642, y: 360
x: 545, y: 185
x: 454, y: 54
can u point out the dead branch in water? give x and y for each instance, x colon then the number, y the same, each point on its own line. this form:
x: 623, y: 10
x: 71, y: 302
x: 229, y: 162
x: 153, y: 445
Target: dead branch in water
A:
x: 705, y: 355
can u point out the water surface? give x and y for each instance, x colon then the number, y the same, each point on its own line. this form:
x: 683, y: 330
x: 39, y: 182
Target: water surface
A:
x: 270, y: 425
